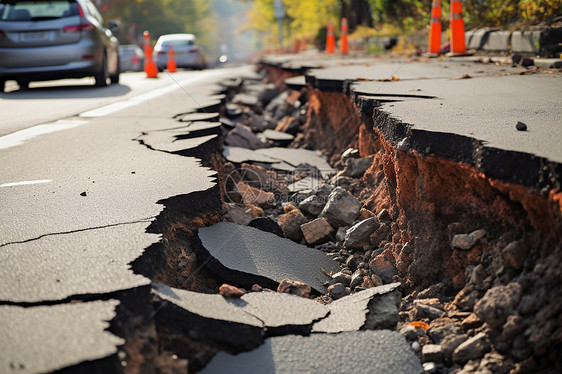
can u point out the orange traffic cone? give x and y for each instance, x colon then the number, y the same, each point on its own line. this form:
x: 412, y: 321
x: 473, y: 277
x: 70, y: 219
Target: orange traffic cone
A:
x: 149, y: 65
x: 296, y: 46
x: 457, y: 28
x: 344, y: 45
x: 330, y: 39
x: 434, y: 41
x: 171, y: 60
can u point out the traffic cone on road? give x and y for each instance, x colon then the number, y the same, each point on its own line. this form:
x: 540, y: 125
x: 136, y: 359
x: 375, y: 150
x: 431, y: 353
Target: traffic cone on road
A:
x: 344, y: 45
x: 296, y: 46
x: 171, y: 66
x: 149, y: 65
x: 434, y: 41
x: 457, y: 28
x: 330, y: 39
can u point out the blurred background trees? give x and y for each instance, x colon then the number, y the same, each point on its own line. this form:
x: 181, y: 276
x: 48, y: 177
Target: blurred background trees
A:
x: 244, y: 24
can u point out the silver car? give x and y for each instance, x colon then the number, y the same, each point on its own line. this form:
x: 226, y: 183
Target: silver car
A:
x: 131, y: 57
x: 45, y: 40
x: 186, y: 51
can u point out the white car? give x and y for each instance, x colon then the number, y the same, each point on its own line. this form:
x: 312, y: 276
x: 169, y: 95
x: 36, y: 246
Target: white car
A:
x: 186, y: 52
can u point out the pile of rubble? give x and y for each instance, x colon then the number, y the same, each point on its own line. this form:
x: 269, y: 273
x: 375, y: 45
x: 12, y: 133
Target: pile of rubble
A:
x: 502, y: 318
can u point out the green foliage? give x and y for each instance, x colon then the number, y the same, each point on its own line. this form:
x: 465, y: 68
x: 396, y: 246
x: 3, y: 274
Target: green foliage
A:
x: 161, y: 17
x: 411, y: 15
x: 304, y: 18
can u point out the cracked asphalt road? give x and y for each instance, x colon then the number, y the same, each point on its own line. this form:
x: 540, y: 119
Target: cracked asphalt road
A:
x: 75, y: 208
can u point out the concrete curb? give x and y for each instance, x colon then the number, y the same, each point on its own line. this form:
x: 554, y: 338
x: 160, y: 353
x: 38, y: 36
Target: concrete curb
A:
x: 544, y: 43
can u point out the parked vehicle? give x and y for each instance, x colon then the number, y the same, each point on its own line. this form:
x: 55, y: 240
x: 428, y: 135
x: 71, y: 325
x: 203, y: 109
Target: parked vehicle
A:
x: 131, y: 57
x: 45, y: 40
x: 186, y: 51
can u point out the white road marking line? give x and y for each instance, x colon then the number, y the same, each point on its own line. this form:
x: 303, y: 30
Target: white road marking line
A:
x: 20, y: 137
x: 25, y: 183
x: 142, y: 98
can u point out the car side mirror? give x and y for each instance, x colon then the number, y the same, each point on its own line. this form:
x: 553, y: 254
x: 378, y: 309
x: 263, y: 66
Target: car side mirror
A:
x: 114, y: 27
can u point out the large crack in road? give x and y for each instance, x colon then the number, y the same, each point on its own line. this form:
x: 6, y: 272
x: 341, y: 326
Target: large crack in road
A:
x: 415, y: 233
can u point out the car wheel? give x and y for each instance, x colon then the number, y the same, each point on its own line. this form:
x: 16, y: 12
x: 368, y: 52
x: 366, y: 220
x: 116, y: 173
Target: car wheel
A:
x: 24, y: 85
x: 102, y: 75
x: 115, y: 77
x: 2, y: 85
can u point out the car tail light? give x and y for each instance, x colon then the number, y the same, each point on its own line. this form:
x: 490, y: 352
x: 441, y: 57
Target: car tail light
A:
x: 160, y: 53
x: 194, y: 50
x: 135, y: 59
x: 78, y: 28
x: 2, y: 34
x: 80, y: 11
x: 87, y: 57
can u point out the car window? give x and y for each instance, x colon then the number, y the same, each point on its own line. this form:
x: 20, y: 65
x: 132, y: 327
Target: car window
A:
x: 37, y: 10
x: 178, y: 43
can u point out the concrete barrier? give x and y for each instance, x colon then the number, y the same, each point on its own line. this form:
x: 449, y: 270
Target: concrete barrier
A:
x: 477, y: 39
x: 525, y: 42
x: 498, y: 41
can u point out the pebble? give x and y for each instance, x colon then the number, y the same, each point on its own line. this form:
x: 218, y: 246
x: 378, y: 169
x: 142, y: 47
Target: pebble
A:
x: 472, y: 349
x: 294, y: 288
x: 409, y: 332
x: 343, y: 278
x: 467, y: 241
x: 498, y: 303
x: 416, y: 347
x: 520, y: 126
x: 430, y: 367
x: 429, y: 311
x: 432, y: 353
x: 230, y: 292
x: 337, y: 291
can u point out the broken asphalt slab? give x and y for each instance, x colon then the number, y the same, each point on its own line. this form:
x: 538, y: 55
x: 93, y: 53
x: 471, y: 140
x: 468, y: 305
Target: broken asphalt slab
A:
x: 474, y: 121
x: 102, y: 178
x: 208, y: 316
x: 483, y: 108
x: 47, y: 338
x: 459, y: 109
x: 239, y: 155
x: 237, y: 323
x: 245, y: 255
x: 296, y: 157
x: 349, y: 352
x: 373, y: 308
x: 168, y: 142
x: 46, y: 270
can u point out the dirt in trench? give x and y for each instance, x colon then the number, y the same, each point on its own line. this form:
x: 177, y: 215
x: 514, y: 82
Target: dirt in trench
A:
x: 431, y: 200
x: 500, y: 292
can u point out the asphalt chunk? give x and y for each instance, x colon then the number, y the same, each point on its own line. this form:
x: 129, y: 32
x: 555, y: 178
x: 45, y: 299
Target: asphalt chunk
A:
x: 349, y: 352
x: 48, y: 338
x: 47, y: 270
x: 350, y: 313
x: 247, y: 255
x: 239, y: 322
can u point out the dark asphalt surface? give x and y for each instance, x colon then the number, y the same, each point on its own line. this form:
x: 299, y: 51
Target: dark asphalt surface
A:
x: 457, y: 108
x: 77, y: 231
x: 377, y: 352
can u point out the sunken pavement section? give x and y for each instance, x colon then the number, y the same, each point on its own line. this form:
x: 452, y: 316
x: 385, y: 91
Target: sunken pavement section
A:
x: 332, y: 215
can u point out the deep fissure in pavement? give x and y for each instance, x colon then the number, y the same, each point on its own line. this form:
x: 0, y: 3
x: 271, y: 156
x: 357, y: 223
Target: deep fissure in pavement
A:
x: 474, y: 244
